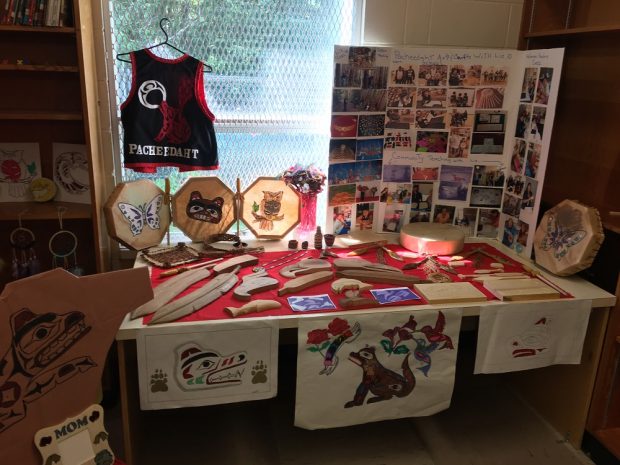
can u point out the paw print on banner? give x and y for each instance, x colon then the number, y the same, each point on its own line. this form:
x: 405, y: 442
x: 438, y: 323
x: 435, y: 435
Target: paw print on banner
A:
x: 159, y: 381
x: 259, y: 372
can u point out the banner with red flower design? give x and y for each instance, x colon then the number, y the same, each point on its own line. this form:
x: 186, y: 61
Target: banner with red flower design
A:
x: 375, y: 367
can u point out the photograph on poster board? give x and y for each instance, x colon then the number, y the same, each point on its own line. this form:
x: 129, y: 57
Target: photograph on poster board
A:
x: 511, y: 231
x: 430, y: 119
x: 401, y: 97
x: 431, y: 97
x: 460, y: 139
x: 515, y: 184
x: 488, y: 223
x: 369, y: 149
x: 465, y: 218
x: 523, y: 120
x: 494, y: 76
x: 397, y: 193
x: 363, y: 57
x: 461, y: 97
x: 421, y: 196
x: 346, y: 173
x: 462, y: 75
x: 368, y: 191
x: 417, y: 216
x: 491, y: 143
x: 364, y: 216
x: 342, y: 219
x: 511, y: 205
x: 403, y: 75
x: 522, y: 236
x: 460, y: 118
x: 543, y: 89
x: 454, y: 173
x: 489, y: 176
x: 488, y: 197
x: 346, y: 75
x: 371, y: 125
x: 354, y: 100
x: 393, y: 218
x: 398, y: 140
x: 344, y: 126
x: 490, y: 121
x: 533, y: 160
x: 518, y: 156
x: 537, y: 124
x: 444, y: 214
x: 431, y: 142
x: 433, y: 75
x: 20, y: 163
x: 529, y: 194
x: 341, y: 195
x: 375, y: 78
x: 490, y: 97
x: 341, y: 150
x: 399, y: 119
x: 424, y: 174
x: 396, y: 173
x: 528, y: 88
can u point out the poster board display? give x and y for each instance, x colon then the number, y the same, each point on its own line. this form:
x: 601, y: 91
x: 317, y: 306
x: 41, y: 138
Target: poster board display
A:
x: 455, y: 136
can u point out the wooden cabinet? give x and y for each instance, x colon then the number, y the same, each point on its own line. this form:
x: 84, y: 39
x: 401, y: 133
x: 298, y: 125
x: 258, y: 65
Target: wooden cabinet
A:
x: 584, y: 159
x: 51, y: 99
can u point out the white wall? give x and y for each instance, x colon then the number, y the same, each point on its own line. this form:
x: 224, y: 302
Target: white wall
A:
x: 467, y: 23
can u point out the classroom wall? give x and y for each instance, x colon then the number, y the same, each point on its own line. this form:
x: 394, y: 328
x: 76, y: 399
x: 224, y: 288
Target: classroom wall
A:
x: 458, y: 23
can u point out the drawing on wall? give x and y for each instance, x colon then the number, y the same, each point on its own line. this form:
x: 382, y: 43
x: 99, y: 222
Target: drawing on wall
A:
x: 19, y: 165
x: 71, y: 173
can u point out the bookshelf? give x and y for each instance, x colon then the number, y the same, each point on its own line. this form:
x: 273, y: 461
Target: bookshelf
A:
x: 51, y: 99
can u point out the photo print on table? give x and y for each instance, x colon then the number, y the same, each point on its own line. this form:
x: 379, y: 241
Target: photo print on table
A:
x: 459, y: 140
x: 401, y: 97
x: 433, y: 75
x: 528, y: 88
x: 533, y: 159
x: 454, y: 182
x: 461, y: 97
x: 537, y: 124
x: 396, y: 173
x: 347, y: 75
x: 543, y: 89
x: 344, y: 126
x: 488, y: 175
x: 399, y: 119
x: 398, y: 140
x: 393, y: 218
x: 464, y: 75
x: 369, y: 149
x: 517, y: 158
x: 341, y: 195
x: 364, y: 216
x: 465, y: 218
x: 368, y: 191
x: 515, y: 184
x: 311, y: 302
x: 491, y: 143
x: 397, y: 193
x: 424, y: 174
x: 341, y: 218
x: 404, y: 75
x: 431, y: 142
x: 371, y: 125
x: 375, y: 78
x: 430, y: 119
x: 529, y: 194
x: 444, y: 214
x: 488, y: 197
x: 494, y: 76
x: 431, y: 97
x: 511, y: 205
x: 341, y: 150
x: 490, y: 97
x: 488, y: 223
x: 394, y: 295
x: 460, y: 118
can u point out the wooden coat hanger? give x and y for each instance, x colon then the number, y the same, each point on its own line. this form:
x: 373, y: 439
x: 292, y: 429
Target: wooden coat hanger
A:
x: 206, y: 68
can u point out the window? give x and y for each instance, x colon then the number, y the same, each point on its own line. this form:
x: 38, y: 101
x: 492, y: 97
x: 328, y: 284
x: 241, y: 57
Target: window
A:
x: 270, y: 89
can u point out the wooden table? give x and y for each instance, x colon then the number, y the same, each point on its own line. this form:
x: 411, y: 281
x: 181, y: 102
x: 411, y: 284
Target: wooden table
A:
x: 561, y: 393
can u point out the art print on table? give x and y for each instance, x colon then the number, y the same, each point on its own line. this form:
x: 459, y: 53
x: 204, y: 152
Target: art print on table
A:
x: 20, y: 163
x: 194, y: 365
x: 393, y: 295
x: 375, y: 367
x: 71, y: 173
x: 311, y: 302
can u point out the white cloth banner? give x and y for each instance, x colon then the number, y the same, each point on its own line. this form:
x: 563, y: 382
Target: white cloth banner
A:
x: 218, y: 363
x: 375, y: 367
x: 513, y: 337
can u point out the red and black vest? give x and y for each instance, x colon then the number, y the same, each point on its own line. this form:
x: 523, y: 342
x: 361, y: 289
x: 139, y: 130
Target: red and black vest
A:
x: 166, y: 119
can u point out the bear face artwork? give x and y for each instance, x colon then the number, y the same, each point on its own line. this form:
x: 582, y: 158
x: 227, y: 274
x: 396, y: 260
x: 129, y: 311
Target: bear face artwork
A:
x: 37, y: 341
x: 203, y: 209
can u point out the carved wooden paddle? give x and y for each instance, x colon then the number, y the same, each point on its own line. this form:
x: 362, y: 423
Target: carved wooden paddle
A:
x: 304, y: 282
x: 381, y: 277
x: 302, y: 267
x: 232, y: 263
x: 254, y: 283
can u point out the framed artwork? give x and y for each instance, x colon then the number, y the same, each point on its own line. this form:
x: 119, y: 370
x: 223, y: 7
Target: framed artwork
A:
x: 71, y: 173
x: 20, y: 163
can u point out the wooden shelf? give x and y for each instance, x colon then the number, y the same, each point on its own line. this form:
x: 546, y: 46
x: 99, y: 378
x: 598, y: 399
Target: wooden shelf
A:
x: 40, y: 115
x: 45, y: 29
x: 43, y: 211
x: 40, y: 68
x: 573, y: 31
x: 610, y: 439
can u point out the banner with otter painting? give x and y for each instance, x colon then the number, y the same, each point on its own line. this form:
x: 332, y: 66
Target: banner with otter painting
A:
x: 364, y: 368
x: 207, y: 364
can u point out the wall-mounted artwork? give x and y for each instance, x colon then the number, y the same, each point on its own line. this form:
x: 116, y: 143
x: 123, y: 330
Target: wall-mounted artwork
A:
x: 270, y: 208
x: 71, y: 173
x: 203, y: 206
x: 20, y: 163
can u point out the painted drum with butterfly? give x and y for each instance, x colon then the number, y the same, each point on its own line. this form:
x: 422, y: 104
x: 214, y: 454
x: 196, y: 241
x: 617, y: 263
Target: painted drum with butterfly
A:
x: 568, y: 238
x: 137, y: 215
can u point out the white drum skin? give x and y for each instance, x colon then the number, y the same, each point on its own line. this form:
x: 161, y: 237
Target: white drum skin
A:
x: 432, y: 238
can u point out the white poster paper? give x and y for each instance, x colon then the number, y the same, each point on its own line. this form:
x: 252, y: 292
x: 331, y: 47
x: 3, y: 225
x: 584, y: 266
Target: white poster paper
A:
x: 71, y: 173
x: 219, y: 363
x: 375, y: 367
x: 20, y: 163
x: 513, y: 337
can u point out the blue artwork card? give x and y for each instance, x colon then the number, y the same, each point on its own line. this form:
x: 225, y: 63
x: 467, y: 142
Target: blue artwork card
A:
x: 394, y: 294
x: 311, y: 302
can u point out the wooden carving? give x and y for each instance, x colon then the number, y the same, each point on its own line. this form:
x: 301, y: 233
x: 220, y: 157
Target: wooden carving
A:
x: 307, y: 266
x: 232, y: 263
x: 253, y: 307
x: 380, y: 277
x: 304, y: 282
x: 360, y: 264
x: 254, y: 283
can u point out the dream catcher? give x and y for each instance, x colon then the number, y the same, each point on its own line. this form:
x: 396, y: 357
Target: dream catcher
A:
x: 63, y: 245
x: 24, y: 262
